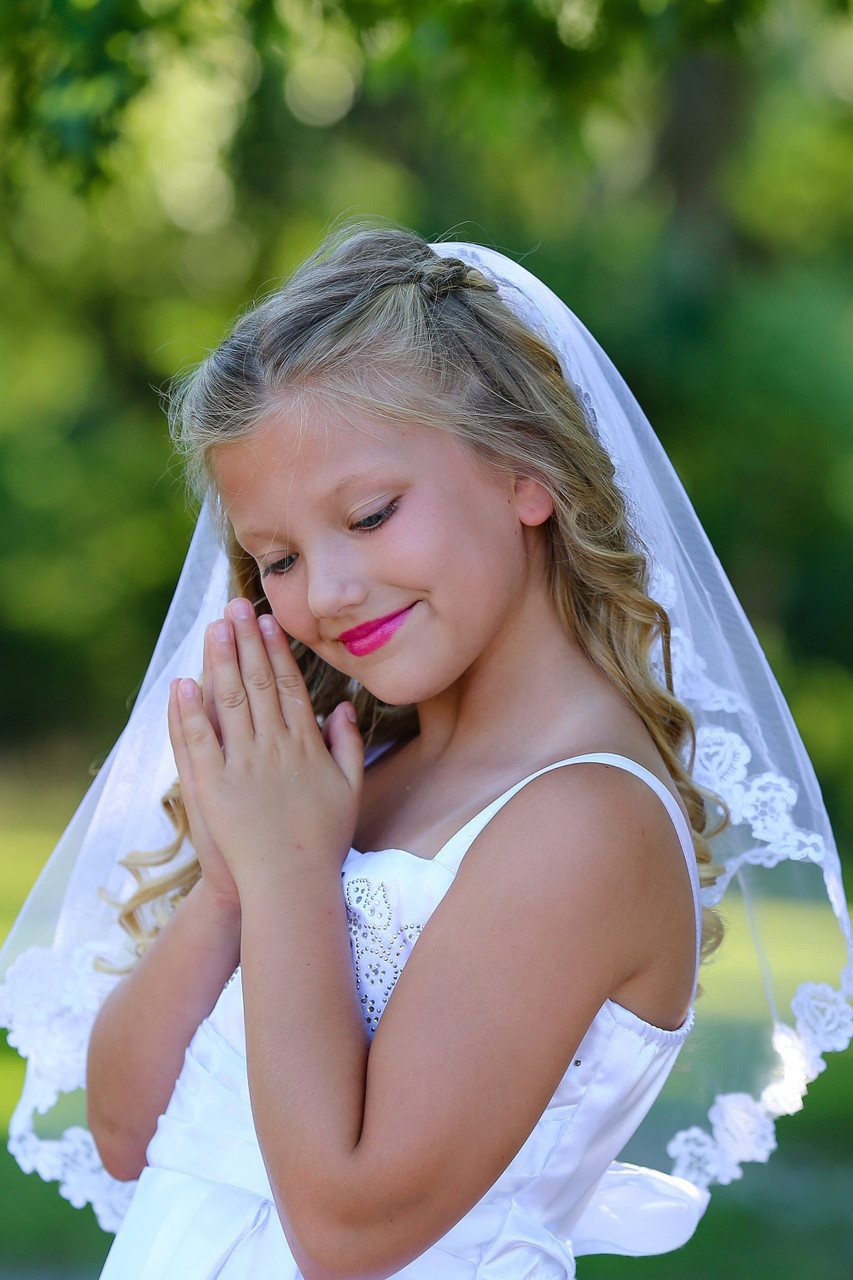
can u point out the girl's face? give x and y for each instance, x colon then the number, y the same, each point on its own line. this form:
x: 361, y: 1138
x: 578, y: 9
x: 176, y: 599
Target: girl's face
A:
x: 387, y: 549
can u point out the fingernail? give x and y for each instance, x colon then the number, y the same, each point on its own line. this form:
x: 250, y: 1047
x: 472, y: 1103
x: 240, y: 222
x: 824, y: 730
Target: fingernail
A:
x: 267, y: 624
x: 186, y: 688
x: 221, y: 631
x: 240, y: 608
x: 350, y: 713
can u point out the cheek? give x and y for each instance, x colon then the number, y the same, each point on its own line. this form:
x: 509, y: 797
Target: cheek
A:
x: 489, y: 537
x: 458, y: 530
x: 421, y: 550
x: 290, y: 609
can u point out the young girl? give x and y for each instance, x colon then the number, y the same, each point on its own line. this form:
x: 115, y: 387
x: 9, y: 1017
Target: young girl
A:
x: 401, y: 1019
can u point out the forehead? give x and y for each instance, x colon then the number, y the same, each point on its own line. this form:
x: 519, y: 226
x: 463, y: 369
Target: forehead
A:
x: 321, y: 448
x: 306, y: 455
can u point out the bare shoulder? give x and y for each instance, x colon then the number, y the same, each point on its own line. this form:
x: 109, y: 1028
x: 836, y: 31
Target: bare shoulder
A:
x: 588, y: 854
x: 588, y: 819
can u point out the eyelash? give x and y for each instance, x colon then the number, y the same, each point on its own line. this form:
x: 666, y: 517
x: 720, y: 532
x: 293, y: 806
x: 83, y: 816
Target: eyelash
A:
x: 280, y: 567
x: 381, y: 517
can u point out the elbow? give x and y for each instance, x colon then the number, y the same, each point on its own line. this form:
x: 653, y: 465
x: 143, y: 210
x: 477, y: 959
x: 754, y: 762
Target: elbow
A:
x: 121, y: 1169
x: 324, y: 1250
x: 120, y: 1163
x: 121, y: 1154
x: 342, y: 1256
x: 373, y: 1244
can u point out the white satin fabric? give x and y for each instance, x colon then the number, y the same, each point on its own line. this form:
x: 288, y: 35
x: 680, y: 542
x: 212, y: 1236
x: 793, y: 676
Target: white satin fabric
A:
x: 203, y: 1207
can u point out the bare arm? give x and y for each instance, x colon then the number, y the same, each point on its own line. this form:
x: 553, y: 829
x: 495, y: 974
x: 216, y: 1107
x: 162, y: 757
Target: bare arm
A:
x: 141, y: 1033
x: 373, y: 1152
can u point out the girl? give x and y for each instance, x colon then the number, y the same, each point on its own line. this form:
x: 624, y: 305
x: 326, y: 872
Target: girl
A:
x: 405, y: 1017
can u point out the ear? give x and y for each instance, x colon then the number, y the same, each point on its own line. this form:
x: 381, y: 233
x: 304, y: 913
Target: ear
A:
x: 533, y: 502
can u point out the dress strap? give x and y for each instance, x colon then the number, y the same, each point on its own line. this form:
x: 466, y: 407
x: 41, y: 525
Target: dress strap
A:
x: 450, y: 855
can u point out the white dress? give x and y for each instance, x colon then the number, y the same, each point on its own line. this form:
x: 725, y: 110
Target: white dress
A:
x: 203, y: 1206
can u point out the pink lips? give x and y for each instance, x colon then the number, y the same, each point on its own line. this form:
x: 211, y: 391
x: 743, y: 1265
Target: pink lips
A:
x: 372, y: 635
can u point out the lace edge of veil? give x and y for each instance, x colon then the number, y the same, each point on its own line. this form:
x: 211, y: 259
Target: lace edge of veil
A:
x: 49, y: 1005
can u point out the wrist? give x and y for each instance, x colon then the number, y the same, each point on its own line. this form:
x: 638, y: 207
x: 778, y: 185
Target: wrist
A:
x: 282, y: 886
x: 220, y: 909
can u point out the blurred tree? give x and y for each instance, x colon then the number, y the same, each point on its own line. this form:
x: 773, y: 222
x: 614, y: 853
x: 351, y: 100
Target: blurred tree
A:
x: 681, y: 167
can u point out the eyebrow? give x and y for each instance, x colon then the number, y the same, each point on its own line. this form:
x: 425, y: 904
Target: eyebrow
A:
x: 345, y: 481
x: 356, y: 476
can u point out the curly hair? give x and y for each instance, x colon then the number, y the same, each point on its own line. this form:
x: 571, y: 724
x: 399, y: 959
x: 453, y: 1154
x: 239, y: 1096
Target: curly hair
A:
x: 376, y: 321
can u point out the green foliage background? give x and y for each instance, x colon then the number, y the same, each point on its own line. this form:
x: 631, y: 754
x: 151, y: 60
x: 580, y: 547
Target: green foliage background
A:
x: 678, y: 170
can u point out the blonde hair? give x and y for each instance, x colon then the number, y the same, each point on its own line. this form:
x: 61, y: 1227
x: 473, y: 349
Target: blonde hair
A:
x: 376, y: 321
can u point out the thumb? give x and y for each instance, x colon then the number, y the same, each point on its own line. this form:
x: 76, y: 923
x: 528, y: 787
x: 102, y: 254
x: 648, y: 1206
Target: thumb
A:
x: 345, y: 743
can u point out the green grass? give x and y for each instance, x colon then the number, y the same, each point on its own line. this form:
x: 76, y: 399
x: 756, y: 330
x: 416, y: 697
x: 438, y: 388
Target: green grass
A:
x: 11, y: 1080
x: 25, y: 850
x: 789, y: 1220
x: 803, y: 938
x: 26, y: 845
x: 38, y: 1227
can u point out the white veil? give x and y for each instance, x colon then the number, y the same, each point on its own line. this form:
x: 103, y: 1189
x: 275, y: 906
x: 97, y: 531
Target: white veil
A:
x: 52, y: 989
x: 759, y: 1038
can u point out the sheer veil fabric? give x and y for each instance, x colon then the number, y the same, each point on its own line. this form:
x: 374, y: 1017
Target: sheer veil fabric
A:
x: 760, y: 1036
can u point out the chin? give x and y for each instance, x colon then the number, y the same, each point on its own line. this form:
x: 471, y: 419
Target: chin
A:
x: 397, y: 694
x: 402, y: 689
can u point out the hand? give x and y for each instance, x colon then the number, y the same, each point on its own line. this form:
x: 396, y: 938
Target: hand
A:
x: 216, y: 877
x: 271, y: 793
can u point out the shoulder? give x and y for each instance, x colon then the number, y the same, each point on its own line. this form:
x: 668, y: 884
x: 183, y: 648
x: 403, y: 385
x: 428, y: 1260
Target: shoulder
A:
x: 576, y: 810
x: 590, y: 852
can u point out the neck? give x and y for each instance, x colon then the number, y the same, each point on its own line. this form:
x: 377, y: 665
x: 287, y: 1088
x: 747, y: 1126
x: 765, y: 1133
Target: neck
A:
x: 516, y: 692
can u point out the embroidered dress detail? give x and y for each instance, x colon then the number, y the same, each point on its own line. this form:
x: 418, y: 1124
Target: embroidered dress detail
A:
x: 379, y: 949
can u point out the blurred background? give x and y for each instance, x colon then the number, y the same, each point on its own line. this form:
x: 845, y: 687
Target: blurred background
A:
x: 680, y: 171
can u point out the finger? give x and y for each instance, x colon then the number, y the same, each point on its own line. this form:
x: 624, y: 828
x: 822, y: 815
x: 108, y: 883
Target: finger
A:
x: 345, y: 744
x: 207, y: 694
x: 294, y: 699
x: 227, y: 690
x: 179, y: 744
x: 184, y: 764
x: 197, y: 750
x: 256, y: 670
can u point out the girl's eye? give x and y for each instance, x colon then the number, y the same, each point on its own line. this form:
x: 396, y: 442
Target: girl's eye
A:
x: 279, y: 567
x: 378, y: 518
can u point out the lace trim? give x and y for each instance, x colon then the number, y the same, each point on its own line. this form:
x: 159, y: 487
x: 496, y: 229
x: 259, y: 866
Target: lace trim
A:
x: 762, y: 801
x: 742, y: 1127
x: 72, y: 1160
x: 49, y: 1006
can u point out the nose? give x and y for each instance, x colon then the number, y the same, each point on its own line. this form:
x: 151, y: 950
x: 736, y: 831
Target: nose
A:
x: 336, y: 583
